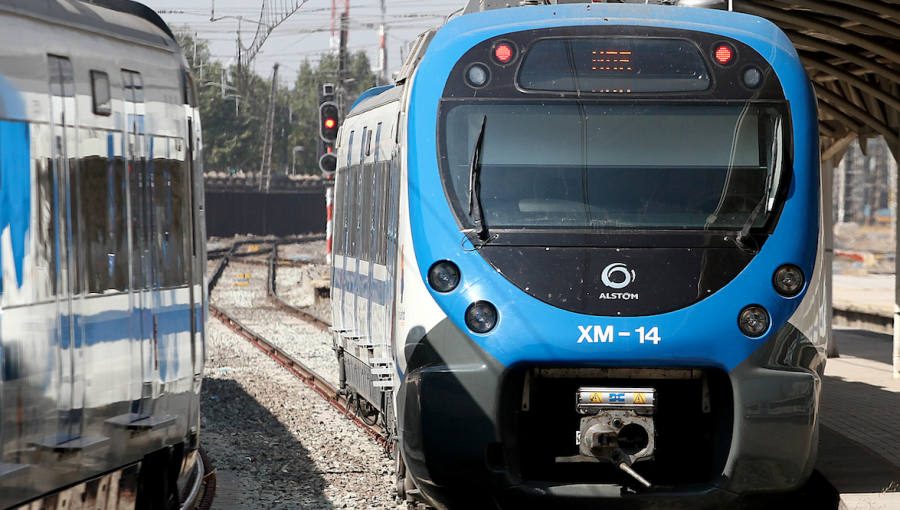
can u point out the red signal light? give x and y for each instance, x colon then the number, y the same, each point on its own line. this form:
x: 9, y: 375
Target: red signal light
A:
x: 329, y: 123
x: 724, y: 54
x: 503, y: 53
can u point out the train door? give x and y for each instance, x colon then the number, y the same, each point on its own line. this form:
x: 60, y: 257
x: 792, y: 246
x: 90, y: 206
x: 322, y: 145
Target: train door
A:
x: 346, y: 222
x: 195, y: 271
x: 357, y: 234
x: 366, y: 234
x: 376, y: 233
x: 63, y: 132
x: 196, y: 268
x: 142, y: 275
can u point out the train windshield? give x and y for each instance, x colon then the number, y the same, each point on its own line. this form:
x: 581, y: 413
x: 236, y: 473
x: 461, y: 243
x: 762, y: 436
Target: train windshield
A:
x: 586, y: 165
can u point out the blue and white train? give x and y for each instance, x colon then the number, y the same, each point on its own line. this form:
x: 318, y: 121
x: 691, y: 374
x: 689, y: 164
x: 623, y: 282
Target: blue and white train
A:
x: 578, y: 256
x: 102, y: 250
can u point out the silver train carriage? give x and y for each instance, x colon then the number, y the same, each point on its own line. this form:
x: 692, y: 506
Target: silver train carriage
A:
x: 103, y: 259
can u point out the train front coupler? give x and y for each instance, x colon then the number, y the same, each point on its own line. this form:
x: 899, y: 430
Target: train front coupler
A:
x: 617, y: 426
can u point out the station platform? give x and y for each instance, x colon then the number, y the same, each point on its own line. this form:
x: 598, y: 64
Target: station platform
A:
x: 859, y: 443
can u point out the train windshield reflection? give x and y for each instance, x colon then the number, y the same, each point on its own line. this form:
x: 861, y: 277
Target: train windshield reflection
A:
x: 576, y: 164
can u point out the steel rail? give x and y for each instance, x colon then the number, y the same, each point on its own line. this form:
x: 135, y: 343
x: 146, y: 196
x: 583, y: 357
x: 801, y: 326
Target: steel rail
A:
x: 318, y: 384
x: 325, y: 389
x: 308, y: 317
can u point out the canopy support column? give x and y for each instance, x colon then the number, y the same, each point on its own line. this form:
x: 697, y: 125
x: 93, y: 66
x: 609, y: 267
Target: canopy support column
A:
x: 827, y: 176
x: 896, y: 206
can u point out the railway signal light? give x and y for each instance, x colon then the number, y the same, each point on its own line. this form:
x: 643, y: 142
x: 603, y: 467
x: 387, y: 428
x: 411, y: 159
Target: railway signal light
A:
x: 328, y: 164
x: 328, y: 122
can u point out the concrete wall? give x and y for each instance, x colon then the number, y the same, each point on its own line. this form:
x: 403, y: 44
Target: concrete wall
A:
x: 229, y: 213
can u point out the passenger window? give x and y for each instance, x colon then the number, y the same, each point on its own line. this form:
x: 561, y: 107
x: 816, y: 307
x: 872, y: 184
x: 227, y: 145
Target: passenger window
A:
x: 377, y: 140
x: 189, y: 92
x: 350, y: 149
x: 62, y: 78
x: 100, y: 91
x: 133, y: 86
x: 369, y: 143
x: 362, y: 147
x: 168, y: 177
x: 103, y: 209
x: 137, y: 87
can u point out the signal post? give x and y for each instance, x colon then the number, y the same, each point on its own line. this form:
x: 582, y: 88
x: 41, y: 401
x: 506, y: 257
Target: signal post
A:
x: 329, y: 123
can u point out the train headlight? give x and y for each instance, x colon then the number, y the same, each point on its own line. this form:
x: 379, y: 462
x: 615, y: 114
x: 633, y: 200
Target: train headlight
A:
x: 753, y: 321
x: 752, y: 77
x: 477, y: 75
x: 481, y: 317
x: 443, y: 276
x: 788, y: 280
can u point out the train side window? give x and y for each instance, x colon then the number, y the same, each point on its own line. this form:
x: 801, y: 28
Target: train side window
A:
x: 377, y: 140
x: 62, y: 77
x: 350, y: 149
x: 103, y: 209
x: 379, y: 199
x: 353, y: 212
x: 340, y: 211
x: 189, y: 92
x: 55, y: 76
x: 369, y: 142
x: 168, y: 213
x: 100, y: 91
x: 133, y: 85
x: 366, y: 135
x: 138, y: 87
x: 46, y: 228
x: 367, y: 202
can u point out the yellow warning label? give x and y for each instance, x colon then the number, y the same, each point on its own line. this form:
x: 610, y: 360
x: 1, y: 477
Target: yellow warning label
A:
x: 253, y: 248
x: 239, y: 284
x: 639, y: 398
x: 244, y: 275
x: 596, y: 398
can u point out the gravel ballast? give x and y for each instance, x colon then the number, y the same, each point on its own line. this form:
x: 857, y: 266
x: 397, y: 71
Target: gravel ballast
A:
x: 277, y: 444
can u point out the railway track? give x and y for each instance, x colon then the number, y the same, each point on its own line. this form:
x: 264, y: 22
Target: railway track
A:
x: 342, y: 402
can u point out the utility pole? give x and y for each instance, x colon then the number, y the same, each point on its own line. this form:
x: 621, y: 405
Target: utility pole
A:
x: 382, y: 50
x: 333, y: 40
x: 342, y: 63
x: 266, y: 168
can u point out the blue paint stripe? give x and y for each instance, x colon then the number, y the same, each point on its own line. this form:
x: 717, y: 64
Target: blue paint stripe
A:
x: 349, y: 282
x: 15, y: 190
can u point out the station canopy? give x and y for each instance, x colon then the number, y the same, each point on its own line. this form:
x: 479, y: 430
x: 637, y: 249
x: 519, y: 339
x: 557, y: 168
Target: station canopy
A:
x: 851, y: 50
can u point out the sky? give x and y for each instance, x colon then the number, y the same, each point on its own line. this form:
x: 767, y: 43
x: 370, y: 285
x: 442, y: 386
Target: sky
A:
x: 305, y: 34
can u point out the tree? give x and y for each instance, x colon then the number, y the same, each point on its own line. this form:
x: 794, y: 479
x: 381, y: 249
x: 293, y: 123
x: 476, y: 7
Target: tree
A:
x: 233, y: 106
x: 305, y: 100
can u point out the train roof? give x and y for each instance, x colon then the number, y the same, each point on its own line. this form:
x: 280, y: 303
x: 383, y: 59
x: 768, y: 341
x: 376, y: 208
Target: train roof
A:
x: 488, y: 5
x: 120, y: 18
x: 375, y: 97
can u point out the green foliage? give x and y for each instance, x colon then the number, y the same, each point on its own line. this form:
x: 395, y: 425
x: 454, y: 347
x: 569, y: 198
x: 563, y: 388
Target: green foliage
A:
x: 234, y: 106
x: 305, y: 100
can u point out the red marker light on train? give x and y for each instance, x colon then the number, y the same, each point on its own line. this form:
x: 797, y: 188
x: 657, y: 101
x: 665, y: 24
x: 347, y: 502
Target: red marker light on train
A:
x: 503, y: 53
x: 724, y: 54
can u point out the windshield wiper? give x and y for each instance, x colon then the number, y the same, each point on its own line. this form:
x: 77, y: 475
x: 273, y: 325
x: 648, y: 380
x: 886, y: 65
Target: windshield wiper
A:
x: 475, y: 185
x: 770, y: 182
x: 745, y: 230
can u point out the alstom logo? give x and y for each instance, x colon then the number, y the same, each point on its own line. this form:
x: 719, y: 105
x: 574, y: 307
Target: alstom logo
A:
x: 618, y: 272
